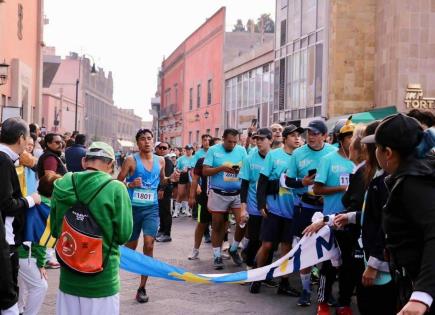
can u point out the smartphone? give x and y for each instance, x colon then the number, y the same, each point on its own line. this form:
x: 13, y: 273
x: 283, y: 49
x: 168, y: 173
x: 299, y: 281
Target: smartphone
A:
x: 236, y: 168
x: 254, y: 122
x: 312, y: 172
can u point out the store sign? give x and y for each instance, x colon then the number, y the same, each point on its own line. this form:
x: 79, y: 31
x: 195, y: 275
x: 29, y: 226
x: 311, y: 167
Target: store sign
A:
x: 414, y: 98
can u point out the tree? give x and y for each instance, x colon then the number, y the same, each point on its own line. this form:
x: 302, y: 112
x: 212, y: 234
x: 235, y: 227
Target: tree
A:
x: 266, y: 23
x: 251, y: 27
x: 239, y: 27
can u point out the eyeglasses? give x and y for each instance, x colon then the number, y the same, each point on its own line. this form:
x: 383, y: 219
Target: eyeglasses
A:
x: 163, y: 148
x: 57, y: 142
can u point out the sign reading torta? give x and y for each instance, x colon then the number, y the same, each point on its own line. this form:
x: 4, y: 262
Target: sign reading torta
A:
x: 414, y: 98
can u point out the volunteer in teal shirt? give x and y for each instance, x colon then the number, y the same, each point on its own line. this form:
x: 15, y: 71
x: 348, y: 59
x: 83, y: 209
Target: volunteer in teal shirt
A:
x: 251, y: 172
x: 184, y: 163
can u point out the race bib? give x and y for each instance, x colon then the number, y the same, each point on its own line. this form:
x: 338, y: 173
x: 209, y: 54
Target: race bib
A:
x: 344, y: 180
x: 230, y: 177
x: 143, y: 197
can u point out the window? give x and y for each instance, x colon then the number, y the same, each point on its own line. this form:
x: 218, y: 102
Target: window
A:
x: 216, y: 132
x: 197, y: 136
x: 209, y: 88
x: 190, y: 98
x: 281, y: 83
x: 283, y: 39
x: 198, y: 96
x: 208, y: 131
x: 190, y: 136
x: 176, y: 94
x: 318, y: 75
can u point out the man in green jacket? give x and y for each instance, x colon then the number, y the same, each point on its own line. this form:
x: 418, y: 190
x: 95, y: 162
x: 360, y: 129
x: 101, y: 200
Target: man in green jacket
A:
x: 111, y: 209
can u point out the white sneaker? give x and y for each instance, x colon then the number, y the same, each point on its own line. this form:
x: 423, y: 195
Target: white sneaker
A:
x: 194, y: 255
x: 175, y: 215
x: 225, y: 256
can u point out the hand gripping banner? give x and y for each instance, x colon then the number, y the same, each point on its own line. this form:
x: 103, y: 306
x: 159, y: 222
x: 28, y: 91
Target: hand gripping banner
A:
x: 307, y: 252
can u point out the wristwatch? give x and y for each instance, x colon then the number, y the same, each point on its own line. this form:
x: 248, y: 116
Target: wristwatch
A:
x: 326, y: 219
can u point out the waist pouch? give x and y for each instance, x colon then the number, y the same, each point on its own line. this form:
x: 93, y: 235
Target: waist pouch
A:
x: 312, y: 200
x: 226, y: 193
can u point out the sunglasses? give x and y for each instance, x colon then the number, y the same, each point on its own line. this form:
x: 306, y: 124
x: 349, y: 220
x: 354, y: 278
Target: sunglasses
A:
x: 57, y: 142
x: 163, y: 148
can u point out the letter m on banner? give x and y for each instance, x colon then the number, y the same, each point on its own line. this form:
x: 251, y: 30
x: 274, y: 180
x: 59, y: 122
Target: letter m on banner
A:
x: 323, y: 243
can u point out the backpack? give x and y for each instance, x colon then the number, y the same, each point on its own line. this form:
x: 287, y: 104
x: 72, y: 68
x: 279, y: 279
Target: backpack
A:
x: 80, y: 245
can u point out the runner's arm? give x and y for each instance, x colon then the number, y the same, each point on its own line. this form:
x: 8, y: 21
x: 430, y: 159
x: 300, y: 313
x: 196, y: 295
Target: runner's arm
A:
x: 126, y: 169
x: 262, y: 191
x: 321, y: 190
x: 244, y: 191
x: 210, y: 171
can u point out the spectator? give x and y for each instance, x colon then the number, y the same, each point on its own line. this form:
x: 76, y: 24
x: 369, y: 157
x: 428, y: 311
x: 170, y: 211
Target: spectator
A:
x: 51, y: 161
x: 37, y: 151
x: 426, y: 118
x: 75, y: 153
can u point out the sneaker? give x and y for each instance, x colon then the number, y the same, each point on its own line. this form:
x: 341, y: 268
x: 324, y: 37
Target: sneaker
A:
x: 305, y: 298
x: 159, y: 234
x: 164, y: 239
x: 52, y: 265
x: 225, y: 256
x: 332, y: 301
x: 207, y: 239
x: 343, y: 310
x: 236, y: 257
x: 288, y: 290
x: 270, y: 283
x: 194, y: 255
x: 175, y: 215
x: 255, y: 286
x: 323, y: 309
x: 141, y: 295
x: 218, y: 264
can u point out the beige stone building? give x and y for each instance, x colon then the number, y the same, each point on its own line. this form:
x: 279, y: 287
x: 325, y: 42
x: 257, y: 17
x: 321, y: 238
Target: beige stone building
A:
x: 336, y: 57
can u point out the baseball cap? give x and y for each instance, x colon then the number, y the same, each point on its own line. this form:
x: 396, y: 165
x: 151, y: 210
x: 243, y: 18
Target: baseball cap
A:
x: 290, y: 129
x: 100, y: 149
x: 398, y: 132
x: 188, y: 147
x: 317, y: 126
x: 263, y: 133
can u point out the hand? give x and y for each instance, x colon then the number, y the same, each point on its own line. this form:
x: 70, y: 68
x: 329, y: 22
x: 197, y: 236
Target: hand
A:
x: 27, y: 159
x: 43, y: 273
x: 308, y: 180
x: 227, y: 169
x: 137, y: 182
x: 341, y: 220
x: 343, y: 188
x: 160, y: 194
x: 264, y: 213
x: 413, y: 308
x: 192, y: 202
x: 36, y: 198
x: 244, y: 215
x: 175, y: 176
x: 313, y: 228
x: 369, y: 276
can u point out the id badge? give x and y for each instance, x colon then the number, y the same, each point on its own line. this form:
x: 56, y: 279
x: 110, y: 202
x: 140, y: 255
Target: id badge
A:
x: 143, y: 197
x: 230, y: 177
x: 344, y: 179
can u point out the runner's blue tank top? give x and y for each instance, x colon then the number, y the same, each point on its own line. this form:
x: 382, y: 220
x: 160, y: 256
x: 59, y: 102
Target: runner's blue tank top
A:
x: 147, y: 194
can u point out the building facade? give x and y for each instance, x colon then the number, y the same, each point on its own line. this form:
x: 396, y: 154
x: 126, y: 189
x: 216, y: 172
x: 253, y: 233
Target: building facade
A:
x: 21, y: 44
x: 127, y: 125
x: 337, y: 57
x: 249, y: 86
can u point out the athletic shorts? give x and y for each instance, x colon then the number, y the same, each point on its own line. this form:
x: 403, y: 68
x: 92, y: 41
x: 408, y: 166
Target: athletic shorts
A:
x: 145, y: 219
x: 276, y: 229
x: 184, y: 178
x: 302, y: 218
x: 222, y: 204
x: 254, y: 227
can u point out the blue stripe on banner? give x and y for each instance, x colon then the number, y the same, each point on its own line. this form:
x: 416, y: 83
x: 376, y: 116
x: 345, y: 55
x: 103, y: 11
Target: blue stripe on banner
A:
x: 240, y: 276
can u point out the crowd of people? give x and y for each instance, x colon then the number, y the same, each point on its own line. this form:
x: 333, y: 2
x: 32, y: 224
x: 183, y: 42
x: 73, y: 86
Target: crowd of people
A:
x: 371, y: 184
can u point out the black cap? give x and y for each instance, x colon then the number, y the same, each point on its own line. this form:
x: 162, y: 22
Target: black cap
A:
x: 188, y: 147
x: 290, y: 129
x: 398, y: 131
x: 318, y: 126
x: 263, y: 133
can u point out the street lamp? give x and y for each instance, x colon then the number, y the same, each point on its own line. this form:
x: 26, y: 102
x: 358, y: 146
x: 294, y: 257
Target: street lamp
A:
x: 206, y: 114
x: 3, y: 72
x: 93, y: 72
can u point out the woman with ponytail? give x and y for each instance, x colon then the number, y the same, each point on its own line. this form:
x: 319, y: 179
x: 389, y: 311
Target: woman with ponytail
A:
x: 405, y: 152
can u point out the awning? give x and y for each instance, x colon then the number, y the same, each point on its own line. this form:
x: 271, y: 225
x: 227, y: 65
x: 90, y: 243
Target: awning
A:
x: 364, y: 117
x: 126, y: 143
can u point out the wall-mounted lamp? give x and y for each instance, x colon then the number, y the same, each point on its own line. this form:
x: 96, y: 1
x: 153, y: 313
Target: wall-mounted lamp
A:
x: 3, y: 72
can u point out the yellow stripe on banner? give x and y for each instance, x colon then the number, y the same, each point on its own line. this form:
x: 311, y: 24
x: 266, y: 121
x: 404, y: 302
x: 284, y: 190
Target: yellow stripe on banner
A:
x: 46, y: 239
x: 283, y: 266
x: 190, y: 277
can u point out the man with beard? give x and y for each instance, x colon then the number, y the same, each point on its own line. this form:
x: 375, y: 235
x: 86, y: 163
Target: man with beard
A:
x: 50, y: 160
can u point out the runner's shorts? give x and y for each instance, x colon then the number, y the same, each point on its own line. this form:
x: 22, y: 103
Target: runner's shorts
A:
x: 302, y: 216
x: 222, y: 204
x: 184, y: 178
x: 276, y: 229
x: 145, y: 219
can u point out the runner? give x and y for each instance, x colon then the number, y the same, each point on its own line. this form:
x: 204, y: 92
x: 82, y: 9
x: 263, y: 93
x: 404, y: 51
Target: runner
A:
x: 276, y: 206
x: 331, y: 182
x: 144, y: 172
x: 222, y: 163
x: 300, y: 176
x: 276, y: 135
x: 184, y: 163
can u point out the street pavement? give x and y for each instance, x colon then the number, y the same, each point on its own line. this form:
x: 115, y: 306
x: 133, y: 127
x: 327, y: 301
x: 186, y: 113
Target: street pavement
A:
x: 170, y: 297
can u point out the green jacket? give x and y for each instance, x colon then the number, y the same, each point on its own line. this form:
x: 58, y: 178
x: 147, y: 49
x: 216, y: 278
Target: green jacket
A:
x: 37, y: 252
x: 112, y: 210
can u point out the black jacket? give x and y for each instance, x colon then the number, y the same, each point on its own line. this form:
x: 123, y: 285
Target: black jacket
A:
x: 409, y: 222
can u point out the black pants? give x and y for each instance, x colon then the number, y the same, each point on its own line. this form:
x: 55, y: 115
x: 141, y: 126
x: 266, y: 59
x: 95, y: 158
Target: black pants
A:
x: 352, y: 268
x: 254, y: 227
x: 165, y: 213
x: 377, y: 299
x: 328, y: 273
x: 8, y: 277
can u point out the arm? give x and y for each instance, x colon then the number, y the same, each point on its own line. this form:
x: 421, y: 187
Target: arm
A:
x: 193, y: 189
x: 210, y: 171
x: 244, y: 191
x: 50, y: 165
x: 262, y: 191
x: 10, y: 206
x: 322, y: 190
x: 353, y: 198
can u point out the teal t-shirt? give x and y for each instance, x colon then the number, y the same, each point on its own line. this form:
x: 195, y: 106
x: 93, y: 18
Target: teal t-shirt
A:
x: 184, y: 162
x: 334, y: 170
x: 217, y: 156
x: 250, y: 171
x: 251, y: 150
x: 275, y: 164
x: 304, y: 159
x: 198, y: 154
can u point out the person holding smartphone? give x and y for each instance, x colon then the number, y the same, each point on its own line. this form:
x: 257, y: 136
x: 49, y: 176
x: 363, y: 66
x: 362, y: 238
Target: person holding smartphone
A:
x: 184, y: 164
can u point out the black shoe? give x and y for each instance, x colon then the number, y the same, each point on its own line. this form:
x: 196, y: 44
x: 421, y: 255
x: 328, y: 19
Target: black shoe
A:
x: 164, y: 238
x: 255, y: 287
x: 218, y: 264
x: 236, y: 257
x: 270, y: 283
x: 288, y: 290
x: 141, y: 295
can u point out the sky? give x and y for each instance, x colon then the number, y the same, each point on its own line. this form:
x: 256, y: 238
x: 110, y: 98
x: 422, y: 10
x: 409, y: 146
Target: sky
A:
x: 131, y: 37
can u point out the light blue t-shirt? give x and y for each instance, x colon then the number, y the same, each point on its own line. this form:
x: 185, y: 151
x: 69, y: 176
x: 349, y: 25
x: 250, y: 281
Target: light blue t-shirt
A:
x: 184, y: 162
x: 275, y: 164
x: 304, y: 159
x: 250, y: 171
x: 334, y: 171
x: 198, y: 154
x: 217, y: 156
x: 251, y: 150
